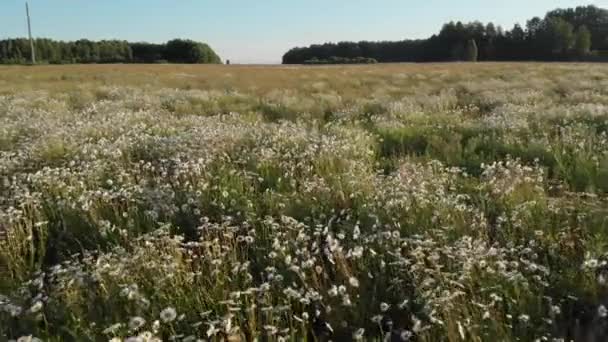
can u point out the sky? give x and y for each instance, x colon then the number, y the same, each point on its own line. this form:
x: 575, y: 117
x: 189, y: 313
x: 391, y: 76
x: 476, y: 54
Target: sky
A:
x: 249, y: 31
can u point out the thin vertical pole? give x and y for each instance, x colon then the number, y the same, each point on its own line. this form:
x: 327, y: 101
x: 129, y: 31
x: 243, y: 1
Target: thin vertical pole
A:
x: 29, y: 30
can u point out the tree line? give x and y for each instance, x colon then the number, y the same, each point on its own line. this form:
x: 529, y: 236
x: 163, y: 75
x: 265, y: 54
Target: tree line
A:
x: 579, y: 33
x: 341, y: 60
x: 17, y: 51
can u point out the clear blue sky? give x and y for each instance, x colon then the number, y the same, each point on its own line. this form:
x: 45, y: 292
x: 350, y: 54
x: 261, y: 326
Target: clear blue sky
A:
x: 250, y: 31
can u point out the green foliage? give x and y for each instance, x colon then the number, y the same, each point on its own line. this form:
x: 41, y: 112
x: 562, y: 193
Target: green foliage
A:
x: 188, y: 51
x: 458, y: 52
x: 16, y: 51
x: 594, y: 18
x: 559, y: 35
x: 342, y: 60
x: 582, y: 41
x: 551, y: 38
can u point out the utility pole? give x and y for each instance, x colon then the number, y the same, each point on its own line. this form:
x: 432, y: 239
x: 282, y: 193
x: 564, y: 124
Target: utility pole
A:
x: 29, y: 30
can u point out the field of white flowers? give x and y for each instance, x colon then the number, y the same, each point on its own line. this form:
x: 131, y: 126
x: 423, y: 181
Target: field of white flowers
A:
x: 379, y: 203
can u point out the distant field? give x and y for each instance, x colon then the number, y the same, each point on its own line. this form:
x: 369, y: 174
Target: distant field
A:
x: 261, y: 78
x: 399, y: 202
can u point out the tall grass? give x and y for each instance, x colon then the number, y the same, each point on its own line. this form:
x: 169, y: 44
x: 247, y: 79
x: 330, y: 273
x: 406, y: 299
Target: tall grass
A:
x: 388, y: 203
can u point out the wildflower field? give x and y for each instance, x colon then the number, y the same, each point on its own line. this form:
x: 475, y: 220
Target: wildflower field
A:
x: 435, y: 202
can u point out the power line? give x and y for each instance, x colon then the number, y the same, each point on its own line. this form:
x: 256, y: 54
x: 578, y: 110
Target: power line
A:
x: 29, y: 30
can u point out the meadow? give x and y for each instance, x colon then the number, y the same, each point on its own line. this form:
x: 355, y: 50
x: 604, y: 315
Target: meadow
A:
x: 398, y: 202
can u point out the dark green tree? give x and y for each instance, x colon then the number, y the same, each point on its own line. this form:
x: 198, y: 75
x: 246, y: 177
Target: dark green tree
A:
x: 458, y: 52
x: 593, y: 17
x: 106, y: 51
x: 582, y: 41
x: 560, y: 34
x: 188, y: 51
x: 550, y: 38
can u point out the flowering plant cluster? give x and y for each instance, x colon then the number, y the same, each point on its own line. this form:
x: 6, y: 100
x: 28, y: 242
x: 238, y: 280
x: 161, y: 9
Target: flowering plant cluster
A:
x: 413, y: 206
